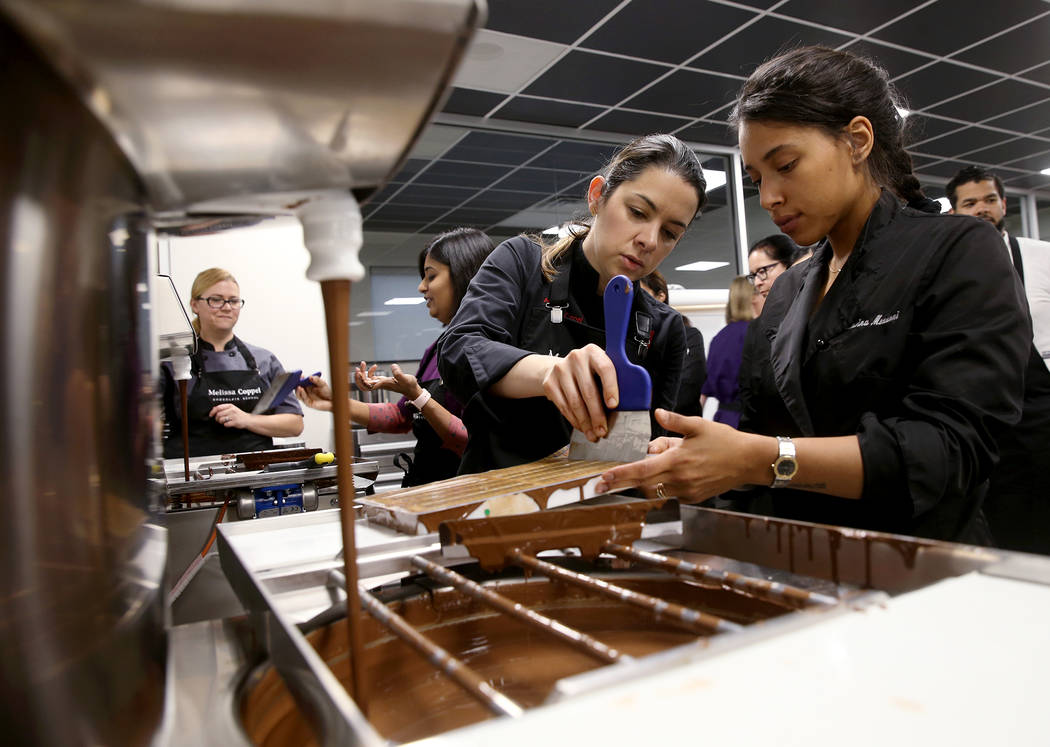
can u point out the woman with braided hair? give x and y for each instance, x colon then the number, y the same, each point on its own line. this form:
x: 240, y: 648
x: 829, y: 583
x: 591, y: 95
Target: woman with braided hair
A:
x: 885, y: 367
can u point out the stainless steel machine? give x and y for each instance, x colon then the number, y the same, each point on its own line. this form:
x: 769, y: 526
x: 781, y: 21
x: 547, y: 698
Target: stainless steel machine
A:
x: 120, y: 116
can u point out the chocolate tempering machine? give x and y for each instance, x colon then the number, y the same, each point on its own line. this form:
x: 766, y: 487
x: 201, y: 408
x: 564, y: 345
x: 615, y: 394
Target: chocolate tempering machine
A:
x: 532, y: 609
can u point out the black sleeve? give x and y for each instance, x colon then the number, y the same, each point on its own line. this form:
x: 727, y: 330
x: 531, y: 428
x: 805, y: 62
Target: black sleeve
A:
x: 668, y: 374
x: 747, y: 366
x: 968, y: 345
x: 480, y: 345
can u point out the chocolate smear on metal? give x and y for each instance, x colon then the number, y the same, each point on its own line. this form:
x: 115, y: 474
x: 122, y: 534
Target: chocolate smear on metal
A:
x: 491, y: 540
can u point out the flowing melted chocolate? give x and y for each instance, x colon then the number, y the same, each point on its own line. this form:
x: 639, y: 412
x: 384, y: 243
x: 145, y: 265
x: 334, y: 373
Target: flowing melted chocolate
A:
x: 409, y: 700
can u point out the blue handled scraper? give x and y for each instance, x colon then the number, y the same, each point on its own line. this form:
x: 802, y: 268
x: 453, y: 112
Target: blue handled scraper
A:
x: 629, y: 428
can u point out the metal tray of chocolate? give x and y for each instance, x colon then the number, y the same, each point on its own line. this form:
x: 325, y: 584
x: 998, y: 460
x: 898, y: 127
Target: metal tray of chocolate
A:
x: 636, y: 624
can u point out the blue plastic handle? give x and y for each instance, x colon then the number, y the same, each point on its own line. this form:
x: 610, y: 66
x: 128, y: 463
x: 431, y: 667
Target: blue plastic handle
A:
x: 305, y: 381
x: 636, y: 388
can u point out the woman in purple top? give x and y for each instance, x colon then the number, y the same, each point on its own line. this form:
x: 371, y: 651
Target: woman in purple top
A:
x: 426, y: 407
x: 723, y: 358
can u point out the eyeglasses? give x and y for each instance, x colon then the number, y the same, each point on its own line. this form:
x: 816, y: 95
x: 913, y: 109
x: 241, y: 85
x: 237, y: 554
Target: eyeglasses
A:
x: 761, y: 273
x: 217, y: 302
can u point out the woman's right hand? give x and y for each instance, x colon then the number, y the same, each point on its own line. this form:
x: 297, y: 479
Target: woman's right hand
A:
x: 570, y: 385
x: 318, y: 396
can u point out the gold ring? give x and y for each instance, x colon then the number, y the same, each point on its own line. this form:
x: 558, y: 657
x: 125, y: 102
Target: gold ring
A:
x: 660, y: 491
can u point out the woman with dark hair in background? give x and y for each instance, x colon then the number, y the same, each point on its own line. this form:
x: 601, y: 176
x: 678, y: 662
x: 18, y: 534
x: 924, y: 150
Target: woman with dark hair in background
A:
x: 767, y: 259
x: 887, y: 365
x: 525, y: 348
x: 228, y: 376
x: 694, y: 363
x: 723, y: 359
x: 426, y: 407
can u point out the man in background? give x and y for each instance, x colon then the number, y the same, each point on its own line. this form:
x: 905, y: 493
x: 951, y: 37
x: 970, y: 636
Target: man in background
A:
x: 978, y: 192
x: 1018, y: 502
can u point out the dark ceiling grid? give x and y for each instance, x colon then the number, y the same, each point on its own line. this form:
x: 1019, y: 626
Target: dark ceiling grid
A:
x: 978, y: 83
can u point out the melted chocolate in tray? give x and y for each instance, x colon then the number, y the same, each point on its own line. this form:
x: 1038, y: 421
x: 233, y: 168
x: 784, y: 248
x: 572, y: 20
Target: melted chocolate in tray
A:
x: 410, y: 700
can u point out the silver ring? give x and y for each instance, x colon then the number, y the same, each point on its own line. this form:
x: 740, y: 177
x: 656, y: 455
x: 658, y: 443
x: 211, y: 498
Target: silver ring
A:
x: 660, y: 491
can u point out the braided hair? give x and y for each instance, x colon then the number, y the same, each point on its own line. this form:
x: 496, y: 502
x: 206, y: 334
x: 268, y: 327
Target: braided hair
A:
x: 827, y: 88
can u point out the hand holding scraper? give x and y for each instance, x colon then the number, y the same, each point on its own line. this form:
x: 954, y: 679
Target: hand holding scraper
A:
x: 629, y: 428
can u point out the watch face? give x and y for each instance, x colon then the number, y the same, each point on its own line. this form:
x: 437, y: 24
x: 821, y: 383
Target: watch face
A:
x: 786, y: 467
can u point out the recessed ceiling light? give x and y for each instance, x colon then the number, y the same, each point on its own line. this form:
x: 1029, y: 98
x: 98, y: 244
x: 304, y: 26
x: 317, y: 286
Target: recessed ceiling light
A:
x: 403, y: 301
x: 1045, y: 171
x: 701, y: 266
x: 375, y: 313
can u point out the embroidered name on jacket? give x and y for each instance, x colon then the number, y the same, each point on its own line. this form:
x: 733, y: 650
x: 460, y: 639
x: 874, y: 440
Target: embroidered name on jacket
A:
x: 877, y: 321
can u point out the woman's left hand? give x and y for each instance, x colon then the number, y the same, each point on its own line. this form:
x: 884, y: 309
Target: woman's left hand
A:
x: 402, y: 383
x: 229, y: 415
x: 709, y: 460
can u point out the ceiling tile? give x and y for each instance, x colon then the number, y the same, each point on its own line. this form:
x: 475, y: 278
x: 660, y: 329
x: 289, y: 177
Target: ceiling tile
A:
x: 498, y: 199
x: 594, y: 78
x: 1036, y: 161
x: 415, y: 213
x: 922, y: 128
x: 496, y: 148
x: 1003, y: 96
x: 430, y: 195
x: 554, y: 20
x: 741, y: 53
x: 696, y: 24
x: 636, y: 123
x: 1033, y: 118
x: 858, y: 18
x: 687, y: 93
x: 949, y: 25
x: 1028, y: 181
x: 963, y: 141
x: 477, y: 216
x: 708, y: 132
x: 1014, y: 152
x: 538, y: 181
x: 945, y: 169
x: 504, y: 62
x: 545, y: 111
x: 938, y: 82
x: 409, y: 168
x: 896, y: 62
x: 1019, y: 49
x: 459, y: 174
x: 1040, y: 74
x: 390, y: 225
x: 473, y: 103
x: 584, y: 158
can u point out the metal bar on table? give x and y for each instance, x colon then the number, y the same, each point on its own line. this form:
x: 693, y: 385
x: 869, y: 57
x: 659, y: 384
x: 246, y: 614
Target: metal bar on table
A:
x: 660, y: 608
x: 575, y: 638
x: 476, y: 685
x: 756, y: 587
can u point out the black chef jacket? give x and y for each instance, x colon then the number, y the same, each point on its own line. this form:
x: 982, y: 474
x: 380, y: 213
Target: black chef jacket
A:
x: 504, y: 317
x: 918, y: 348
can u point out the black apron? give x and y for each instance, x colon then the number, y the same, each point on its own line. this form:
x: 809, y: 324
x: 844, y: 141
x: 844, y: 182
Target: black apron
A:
x: 241, y: 388
x: 430, y: 460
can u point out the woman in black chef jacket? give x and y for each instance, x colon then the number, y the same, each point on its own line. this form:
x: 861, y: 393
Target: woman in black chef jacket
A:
x: 886, y: 365
x: 227, y: 378
x: 528, y: 340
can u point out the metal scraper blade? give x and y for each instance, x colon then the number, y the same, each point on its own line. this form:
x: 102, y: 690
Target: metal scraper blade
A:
x: 628, y: 439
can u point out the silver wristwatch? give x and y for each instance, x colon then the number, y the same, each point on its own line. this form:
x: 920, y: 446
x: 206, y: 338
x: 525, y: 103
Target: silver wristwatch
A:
x: 786, y: 465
